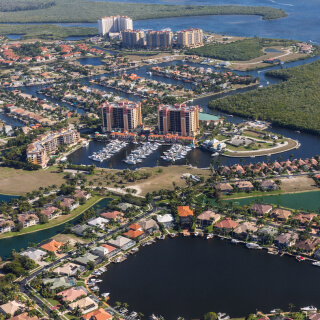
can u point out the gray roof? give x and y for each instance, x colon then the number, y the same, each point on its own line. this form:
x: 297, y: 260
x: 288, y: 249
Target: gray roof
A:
x: 119, y: 241
x: 59, y: 282
x: 80, y: 229
x: 86, y: 258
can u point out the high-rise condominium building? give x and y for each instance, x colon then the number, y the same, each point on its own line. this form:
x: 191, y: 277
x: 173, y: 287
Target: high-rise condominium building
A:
x: 39, y: 150
x: 190, y: 38
x: 123, y: 116
x: 133, y: 38
x: 178, y: 119
x: 159, y: 39
x: 114, y: 24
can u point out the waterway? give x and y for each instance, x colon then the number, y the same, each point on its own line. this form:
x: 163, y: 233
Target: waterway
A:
x: 21, y: 242
x: 189, y: 277
x: 7, y: 198
x: 306, y: 200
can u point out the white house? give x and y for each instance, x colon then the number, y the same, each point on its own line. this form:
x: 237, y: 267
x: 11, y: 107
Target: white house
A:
x: 98, y: 222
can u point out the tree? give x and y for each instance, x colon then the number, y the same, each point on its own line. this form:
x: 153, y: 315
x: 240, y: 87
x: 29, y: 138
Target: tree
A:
x: 90, y: 265
x: 210, y: 316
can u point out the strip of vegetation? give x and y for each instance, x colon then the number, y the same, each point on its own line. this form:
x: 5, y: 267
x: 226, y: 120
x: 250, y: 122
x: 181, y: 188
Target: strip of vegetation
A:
x: 46, y: 31
x: 241, y: 50
x: 18, y: 5
x: 294, y: 103
x: 90, y: 11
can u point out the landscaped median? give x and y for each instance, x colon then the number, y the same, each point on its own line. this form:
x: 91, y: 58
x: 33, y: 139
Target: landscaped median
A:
x: 55, y: 222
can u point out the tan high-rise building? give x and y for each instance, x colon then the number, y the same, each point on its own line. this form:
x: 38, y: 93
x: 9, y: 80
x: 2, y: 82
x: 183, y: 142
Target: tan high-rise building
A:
x: 159, y: 39
x: 178, y: 119
x: 39, y: 150
x: 114, y: 24
x: 133, y: 38
x: 190, y: 38
x: 121, y: 116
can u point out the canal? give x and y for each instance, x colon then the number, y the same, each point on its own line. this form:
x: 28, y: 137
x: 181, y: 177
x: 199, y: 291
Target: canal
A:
x: 305, y: 200
x: 21, y: 242
x: 189, y: 277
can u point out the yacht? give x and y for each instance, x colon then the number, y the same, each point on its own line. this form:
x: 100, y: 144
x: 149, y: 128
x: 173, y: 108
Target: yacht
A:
x: 317, y: 264
x: 209, y: 236
x: 309, y: 308
x: 253, y: 246
x: 235, y: 241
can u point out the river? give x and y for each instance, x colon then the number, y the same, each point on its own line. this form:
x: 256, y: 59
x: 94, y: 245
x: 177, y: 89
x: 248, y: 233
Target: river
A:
x: 21, y: 242
x: 189, y: 277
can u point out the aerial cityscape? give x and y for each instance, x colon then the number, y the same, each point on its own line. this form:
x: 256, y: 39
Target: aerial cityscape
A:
x: 159, y: 160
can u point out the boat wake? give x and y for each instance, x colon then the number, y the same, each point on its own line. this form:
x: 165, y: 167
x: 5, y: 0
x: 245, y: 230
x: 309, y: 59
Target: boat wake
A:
x: 282, y: 4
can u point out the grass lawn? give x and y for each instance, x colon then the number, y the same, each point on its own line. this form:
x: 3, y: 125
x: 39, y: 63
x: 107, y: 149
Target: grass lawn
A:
x: 81, y: 283
x: 251, y: 194
x: 19, y: 182
x: 53, y: 302
x: 57, y: 221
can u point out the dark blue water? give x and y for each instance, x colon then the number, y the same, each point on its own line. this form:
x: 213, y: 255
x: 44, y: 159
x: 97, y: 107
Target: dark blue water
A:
x: 10, y: 121
x: 19, y: 242
x: 90, y: 61
x: 7, y: 198
x: 189, y: 277
x: 14, y: 36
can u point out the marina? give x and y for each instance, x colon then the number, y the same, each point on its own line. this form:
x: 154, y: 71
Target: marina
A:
x: 176, y: 152
x: 141, y: 153
x: 108, y: 151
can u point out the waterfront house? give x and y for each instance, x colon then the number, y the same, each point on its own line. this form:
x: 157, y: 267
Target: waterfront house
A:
x: 148, y: 225
x: 115, y: 215
x: 245, y: 228
x: 281, y: 214
x: 135, y: 232
x: 125, y: 206
x: 112, y: 251
x: 304, y: 218
x: 28, y: 220
x: 308, y: 245
x: 167, y: 220
x: 85, y: 305
x: 52, y: 246
x: 72, y: 293
x: 24, y: 316
x: 6, y: 226
x: 86, y: 258
x: 286, y: 239
x: 227, y: 223
x: 185, y: 215
x: 12, y: 307
x: 98, y: 222
x: 314, y: 316
x: 56, y: 283
x: 100, y: 251
x: 99, y: 314
x: 244, y: 186
x: 69, y: 203
x: 260, y: 209
x: 80, y: 230
x: 268, y: 185
x: 225, y: 188
x: 207, y: 218
x: 122, y: 243
x: 51, y: 212
x: 34, y: 254
x: 79, y: 194
x: 69, y: 269
x: 267, y: 233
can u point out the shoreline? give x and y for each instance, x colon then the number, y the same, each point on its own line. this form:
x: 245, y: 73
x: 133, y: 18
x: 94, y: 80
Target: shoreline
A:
x: 267, y: 195
x: 56, y: 225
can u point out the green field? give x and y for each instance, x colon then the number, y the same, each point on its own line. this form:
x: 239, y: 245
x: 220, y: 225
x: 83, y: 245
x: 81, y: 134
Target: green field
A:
x: 242, y: 50
x: 90, y: 11
x: 294, y: 103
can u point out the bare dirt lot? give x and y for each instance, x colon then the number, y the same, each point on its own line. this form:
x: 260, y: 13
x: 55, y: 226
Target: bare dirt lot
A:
x: 298, y: 184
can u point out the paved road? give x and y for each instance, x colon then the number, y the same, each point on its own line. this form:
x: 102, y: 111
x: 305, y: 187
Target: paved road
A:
x: 24, y: 284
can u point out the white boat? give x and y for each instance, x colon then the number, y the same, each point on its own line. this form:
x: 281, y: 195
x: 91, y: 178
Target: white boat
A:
x: 309, y: 308
x: 274, y: 311
x: 253, y: 246
x: 209, y: 236
x: 96, y: 288
x: 106, y: 294
x: 317, y: 264
x: 235, y: 241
